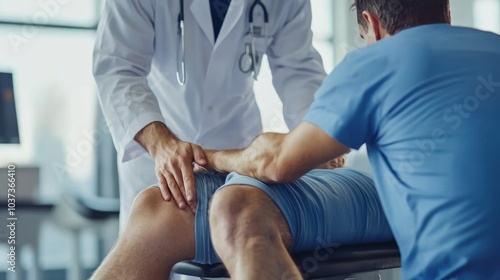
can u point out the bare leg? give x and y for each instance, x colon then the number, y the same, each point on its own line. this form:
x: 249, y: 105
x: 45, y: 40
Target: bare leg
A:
x: 157, y: 236
x: 251, y: 235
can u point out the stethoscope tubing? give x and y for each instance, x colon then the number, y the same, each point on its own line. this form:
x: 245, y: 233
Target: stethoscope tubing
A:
x: 246, y: 57
x: 181, y: 55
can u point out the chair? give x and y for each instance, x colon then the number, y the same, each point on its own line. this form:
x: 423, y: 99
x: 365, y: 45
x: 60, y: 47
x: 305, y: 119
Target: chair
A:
x: 322, y: 263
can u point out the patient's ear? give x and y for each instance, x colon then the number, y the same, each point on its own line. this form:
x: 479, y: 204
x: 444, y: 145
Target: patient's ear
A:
x: 375, y: 30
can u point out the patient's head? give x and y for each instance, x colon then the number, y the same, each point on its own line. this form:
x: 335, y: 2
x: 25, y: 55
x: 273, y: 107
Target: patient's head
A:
x: 378, y: 19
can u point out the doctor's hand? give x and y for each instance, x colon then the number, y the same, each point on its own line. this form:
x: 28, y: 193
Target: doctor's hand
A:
x: 173, y: 163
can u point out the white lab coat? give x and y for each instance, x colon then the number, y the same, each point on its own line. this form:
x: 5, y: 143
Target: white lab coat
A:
x: 135, y: 64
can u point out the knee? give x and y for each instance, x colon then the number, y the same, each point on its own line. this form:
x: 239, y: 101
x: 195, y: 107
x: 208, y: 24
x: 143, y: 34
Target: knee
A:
x: 155, y: 223
x: 150, y: 213
x: 147, y: 202
x: 225, y: 207
x: 237, y: 218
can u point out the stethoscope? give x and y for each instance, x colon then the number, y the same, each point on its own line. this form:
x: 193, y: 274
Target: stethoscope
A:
x: 250, y: 60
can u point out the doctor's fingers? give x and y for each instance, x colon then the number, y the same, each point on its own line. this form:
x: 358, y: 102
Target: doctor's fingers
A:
x: 175, y: 190
x: 165, y: 192
x: 199, y: 155
x: 185, y: 180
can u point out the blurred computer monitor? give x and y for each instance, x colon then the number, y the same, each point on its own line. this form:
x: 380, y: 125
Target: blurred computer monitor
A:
x: 9, y: 130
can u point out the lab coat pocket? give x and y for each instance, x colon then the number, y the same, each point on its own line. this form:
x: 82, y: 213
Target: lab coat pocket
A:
x: 254, y: 49
x: 244, y: 77
x: 261, y: 43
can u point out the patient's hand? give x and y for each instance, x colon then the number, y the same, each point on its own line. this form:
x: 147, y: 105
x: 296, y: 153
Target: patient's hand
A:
x: 217, y: 161
x: 209, y: 166
x: 333, y: 163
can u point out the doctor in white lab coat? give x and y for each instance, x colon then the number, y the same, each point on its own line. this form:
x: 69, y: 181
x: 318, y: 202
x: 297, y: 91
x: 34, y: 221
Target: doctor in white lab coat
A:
x: 154, y: 119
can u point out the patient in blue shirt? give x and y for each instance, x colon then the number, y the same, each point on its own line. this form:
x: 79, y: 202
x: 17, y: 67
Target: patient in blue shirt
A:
x: 426, y: 101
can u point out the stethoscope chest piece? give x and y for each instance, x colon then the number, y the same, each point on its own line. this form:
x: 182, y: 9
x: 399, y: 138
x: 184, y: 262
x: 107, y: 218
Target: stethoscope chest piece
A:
x: 246, y: 60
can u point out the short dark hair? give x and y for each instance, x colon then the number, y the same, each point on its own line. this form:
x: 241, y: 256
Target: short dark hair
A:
x: 397, y: 15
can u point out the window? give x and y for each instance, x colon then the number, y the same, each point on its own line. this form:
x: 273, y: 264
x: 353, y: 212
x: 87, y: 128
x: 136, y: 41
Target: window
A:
x: 269, y: 103
x: 56, y: 104
x: 481, y: 14
x: 486, y: 15
x: 53, y: 12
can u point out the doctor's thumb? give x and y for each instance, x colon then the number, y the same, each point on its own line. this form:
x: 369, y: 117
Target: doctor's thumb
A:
x: 199, y: 155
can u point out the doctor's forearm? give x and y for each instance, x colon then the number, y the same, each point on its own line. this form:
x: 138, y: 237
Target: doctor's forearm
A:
x: 152, y: 135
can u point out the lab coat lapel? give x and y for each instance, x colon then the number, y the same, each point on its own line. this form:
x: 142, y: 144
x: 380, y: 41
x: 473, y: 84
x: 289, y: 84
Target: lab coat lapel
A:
x: 225, y: 46
x: 234, y: 13
x: 201, y: 12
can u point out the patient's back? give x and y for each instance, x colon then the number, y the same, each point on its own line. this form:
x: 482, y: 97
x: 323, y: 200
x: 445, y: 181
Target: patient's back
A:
x: 435, y: 149
x: 426, y: 101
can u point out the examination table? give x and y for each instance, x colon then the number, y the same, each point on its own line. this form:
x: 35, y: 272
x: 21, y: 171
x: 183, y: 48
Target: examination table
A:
x: 332, y: 263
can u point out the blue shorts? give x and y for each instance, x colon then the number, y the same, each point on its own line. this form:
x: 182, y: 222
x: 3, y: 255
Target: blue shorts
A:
x: 323, y: 208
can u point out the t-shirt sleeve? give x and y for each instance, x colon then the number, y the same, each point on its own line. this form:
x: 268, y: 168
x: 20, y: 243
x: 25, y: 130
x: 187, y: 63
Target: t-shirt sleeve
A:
x: 342, y: 106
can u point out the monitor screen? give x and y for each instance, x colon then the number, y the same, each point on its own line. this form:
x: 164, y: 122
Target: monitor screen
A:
x: 9, y: 130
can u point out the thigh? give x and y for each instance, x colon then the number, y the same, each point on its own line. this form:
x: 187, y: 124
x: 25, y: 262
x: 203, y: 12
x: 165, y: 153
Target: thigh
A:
x: 273, y: 213
x: 326, y: 208
x: 206, y: 185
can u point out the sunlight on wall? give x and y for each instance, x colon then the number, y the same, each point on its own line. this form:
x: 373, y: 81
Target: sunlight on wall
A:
x: 486, y: 14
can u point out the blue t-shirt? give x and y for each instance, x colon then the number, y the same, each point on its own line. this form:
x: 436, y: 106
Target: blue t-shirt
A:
x: 427, y: 104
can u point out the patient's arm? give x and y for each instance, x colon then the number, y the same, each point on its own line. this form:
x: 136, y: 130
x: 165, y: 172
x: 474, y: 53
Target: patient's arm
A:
x: 274, y: 157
